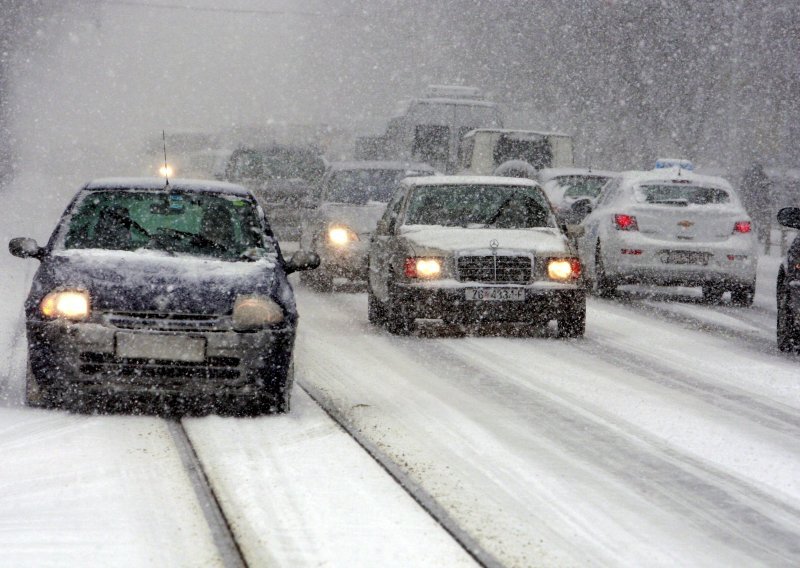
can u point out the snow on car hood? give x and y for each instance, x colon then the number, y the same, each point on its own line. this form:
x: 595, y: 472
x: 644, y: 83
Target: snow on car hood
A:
x: 146, y: 280
x: 360, y: 218
x: 452, y: 239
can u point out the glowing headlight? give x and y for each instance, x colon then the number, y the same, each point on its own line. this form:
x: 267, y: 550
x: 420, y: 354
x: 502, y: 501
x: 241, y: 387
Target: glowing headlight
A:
x: 165, y: 170
x: 254, y: 312
x: 423, y: 267
x: 67, y: 304
x: 564, y: 269
x: 341, y: 236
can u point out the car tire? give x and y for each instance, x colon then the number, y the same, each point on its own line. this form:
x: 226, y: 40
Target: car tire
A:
x: 602, y: 286
x: 788, y: 334
x: 375, y: 311
x: 399, y: 320
x: 38, y: 395
x: 573, y: 324
x: 712, y: 293
x: 743, y: 295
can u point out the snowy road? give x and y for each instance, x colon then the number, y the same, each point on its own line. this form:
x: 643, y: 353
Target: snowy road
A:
x: 669, y: 435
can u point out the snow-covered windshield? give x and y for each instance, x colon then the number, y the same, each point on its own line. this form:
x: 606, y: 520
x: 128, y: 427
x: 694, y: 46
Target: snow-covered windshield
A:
x: 673, y: 194
x: 582, y: 186
x: 507, y: 207
x: 200, y: 224
x: 360, y: 186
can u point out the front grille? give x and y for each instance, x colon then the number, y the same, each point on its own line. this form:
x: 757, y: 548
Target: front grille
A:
x: 213, y: 368
x: 167, y: 322
x: 494, y: 269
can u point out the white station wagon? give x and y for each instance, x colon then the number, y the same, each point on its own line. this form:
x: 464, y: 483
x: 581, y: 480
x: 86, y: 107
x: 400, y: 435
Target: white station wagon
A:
x: 470, y: 249
x: 671, y: 227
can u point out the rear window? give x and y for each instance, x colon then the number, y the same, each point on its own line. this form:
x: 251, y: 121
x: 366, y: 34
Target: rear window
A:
x: 582, y: 186
x: 361, y: 186
x: 681, y: 195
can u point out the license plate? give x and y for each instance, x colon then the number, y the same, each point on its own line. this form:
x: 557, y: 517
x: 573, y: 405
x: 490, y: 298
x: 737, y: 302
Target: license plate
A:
x: 684, y: 257
x: 160, y: 346
x: 495, y: 294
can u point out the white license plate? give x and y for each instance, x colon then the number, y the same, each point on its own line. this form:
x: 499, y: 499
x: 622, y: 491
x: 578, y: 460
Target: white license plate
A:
x: 495, y: 294
x: 160, y: 346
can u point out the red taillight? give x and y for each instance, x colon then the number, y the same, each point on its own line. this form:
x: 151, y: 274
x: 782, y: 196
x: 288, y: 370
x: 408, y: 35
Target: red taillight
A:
x: 635, y: 252
x: 625, y: 222
x: 742, y: 227
x: 410, y: 268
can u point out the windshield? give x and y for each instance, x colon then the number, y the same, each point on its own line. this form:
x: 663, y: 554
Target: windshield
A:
x: 507, y: 207
x: 582, y: 186
x: 360, y: 186
x: 673, y: 194
x: 215, y: 225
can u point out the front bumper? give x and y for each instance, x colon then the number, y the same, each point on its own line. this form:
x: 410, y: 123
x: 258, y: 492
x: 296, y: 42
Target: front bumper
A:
x: 542, y: 303
x: 83, y: 356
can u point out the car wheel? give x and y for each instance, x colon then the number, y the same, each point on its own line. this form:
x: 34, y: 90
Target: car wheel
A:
x: 39, y: 395
x: 375, y: 311
x: 712, y: 293
x: 573, y: 324
x: 788, y: 333
x: 399, y: 319
x: 743, y: 295
x: 602, y: 285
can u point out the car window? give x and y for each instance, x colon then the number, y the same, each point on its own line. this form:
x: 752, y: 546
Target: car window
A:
x: 361, y: 186
x: 216, y: 225
x: 608, y: 191
x: 469, y: 205
x: 582, y: 186
x: 680, y: 194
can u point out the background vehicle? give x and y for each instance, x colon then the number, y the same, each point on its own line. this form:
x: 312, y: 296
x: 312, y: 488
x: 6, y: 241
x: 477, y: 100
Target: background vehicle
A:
x: 352, y: 197
x: 429, y: 129
x: 484, y: 149
x: 178, y: 293
x: 788, y: 288
x: 282, y: 178
x: 671, y: 228
x: 470, y: 249
x: 573, y: 191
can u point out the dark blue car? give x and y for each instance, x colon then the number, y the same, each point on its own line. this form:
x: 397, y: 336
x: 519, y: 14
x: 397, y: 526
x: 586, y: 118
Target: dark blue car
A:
x: 175, y: 292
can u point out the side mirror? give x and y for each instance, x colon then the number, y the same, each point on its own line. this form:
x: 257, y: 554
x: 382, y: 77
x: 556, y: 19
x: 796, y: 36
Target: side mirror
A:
x: 788, y: 217
x: 25, y: 248
x: 302, y: 260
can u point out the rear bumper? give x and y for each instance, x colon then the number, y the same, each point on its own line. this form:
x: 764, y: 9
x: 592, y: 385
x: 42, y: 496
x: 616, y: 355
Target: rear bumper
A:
x: 450, y: 304
x: 81, y: 356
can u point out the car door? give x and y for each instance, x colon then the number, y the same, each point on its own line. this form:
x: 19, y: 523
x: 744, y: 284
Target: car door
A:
x: 382, y: 246
x: 592, y: 223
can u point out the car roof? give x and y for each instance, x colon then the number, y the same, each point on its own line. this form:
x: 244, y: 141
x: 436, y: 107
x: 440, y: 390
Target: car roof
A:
x: 668, y: 174
x: 469, y: 180
x: 180, y: 184
x: 514, y: 131
x: 379, y: 165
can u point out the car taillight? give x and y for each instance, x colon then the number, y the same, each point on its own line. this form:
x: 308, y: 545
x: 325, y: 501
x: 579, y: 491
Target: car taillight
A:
x: 742, y: 227
x: 624, y: 222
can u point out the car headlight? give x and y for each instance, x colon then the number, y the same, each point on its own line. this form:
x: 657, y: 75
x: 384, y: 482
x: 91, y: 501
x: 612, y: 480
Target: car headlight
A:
x: 341, y: 236
x: 422, y: 267
x: 564, y: 269
x: 255, y: 312
x: 165, y: 171
x: 66, y: 304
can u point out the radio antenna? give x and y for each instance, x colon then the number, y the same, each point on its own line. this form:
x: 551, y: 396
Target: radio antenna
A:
x: 166, y: 166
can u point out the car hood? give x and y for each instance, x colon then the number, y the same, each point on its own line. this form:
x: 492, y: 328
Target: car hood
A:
x: 360, y: 218
x: 150, y: 281
x: 455, y: 239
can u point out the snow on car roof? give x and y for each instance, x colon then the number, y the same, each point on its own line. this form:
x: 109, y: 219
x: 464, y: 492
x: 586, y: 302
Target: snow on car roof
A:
x: 515, y: 131
x: 379, y: 165
x: 546, y: 174
x: 470, y: 180
x: 199, y: 185
x: 668, y: 174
